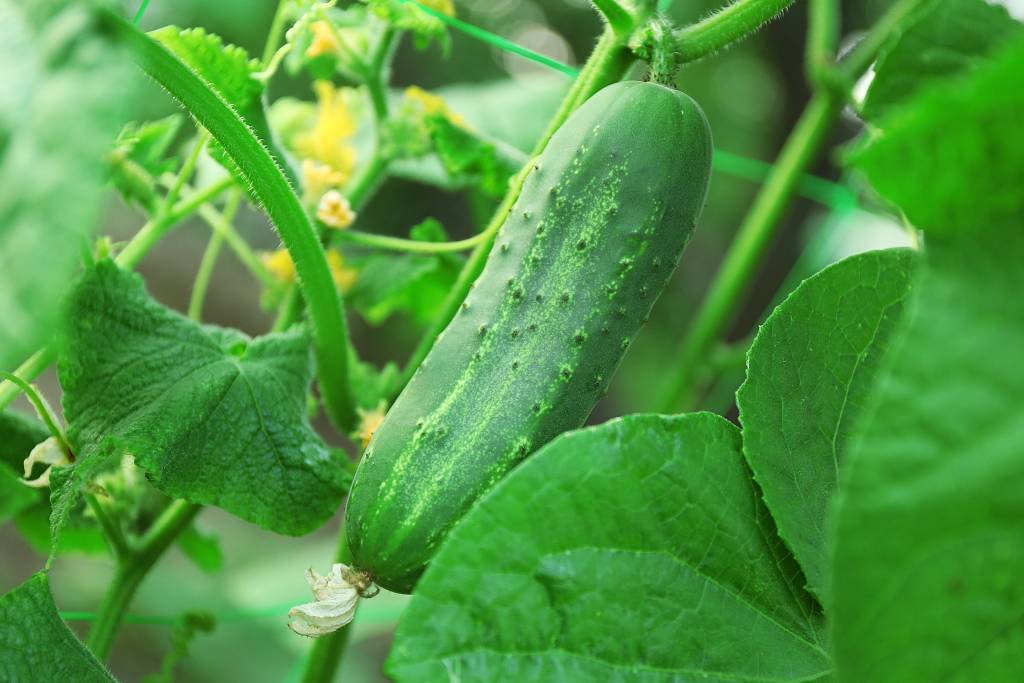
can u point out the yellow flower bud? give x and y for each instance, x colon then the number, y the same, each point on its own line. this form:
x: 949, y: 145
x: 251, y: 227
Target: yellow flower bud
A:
x: 280, y: 265
x: 323, y: 40
x: 369, y: 421
x: 335, y: 211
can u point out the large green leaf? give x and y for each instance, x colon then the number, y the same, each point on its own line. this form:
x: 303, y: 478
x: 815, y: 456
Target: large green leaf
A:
x: 212, y: 416
x: 65, y: 86
x: 637, y: 550
x: 929, y: 545
x: 35, y: 645
x: 953, y: 159
x: 949, y: 38
x: 809, y: 372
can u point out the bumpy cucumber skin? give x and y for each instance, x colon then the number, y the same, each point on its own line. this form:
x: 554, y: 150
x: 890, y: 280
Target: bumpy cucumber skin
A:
x: 597, y: 230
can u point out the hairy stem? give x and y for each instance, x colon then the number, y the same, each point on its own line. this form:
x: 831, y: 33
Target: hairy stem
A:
x: 725, y: 27
x: 133, y: 569
x: 268, y: 183
x: 619, y: 18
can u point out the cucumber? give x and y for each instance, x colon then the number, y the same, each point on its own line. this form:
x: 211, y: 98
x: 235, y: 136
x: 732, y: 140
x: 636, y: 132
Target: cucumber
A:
x: 598, y: 228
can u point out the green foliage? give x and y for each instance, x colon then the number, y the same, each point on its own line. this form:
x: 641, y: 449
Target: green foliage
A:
x: 192, y: 624
x: 212, y: 416
x: 66, y: 88
x: 14, y: 495
x: 144, y: 146
x: 637, y: 546
x: 227, y: 68
x: 18, y: 434
x: 928, y: 546
x: 949, y: 37
x: 35, y: 645
x: 809, y: 372
x: 968, y: 135
x: 472, y: 159
x: 30, y: 508
x: 405, y: 15
x: 414, y: 284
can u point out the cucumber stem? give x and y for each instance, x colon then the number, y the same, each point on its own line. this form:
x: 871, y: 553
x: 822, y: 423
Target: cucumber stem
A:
x: 132, y: 569
x: 725, y: 27
x: 747, y: 251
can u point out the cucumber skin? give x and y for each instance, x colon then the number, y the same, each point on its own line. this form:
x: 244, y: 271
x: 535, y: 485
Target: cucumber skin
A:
x: 593, y: 239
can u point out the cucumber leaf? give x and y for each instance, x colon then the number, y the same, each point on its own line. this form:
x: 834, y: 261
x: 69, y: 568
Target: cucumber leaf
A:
x: 36, y: 645
x: 809, y: 372
x: 949, y: 37
x: 65, y: 89
x: 211, y: 415
x: 636, y: 548
x: 929, y: 544
x: 953, y: 159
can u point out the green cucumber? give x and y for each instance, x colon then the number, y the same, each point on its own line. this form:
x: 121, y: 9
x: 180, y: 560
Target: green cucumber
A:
x: 598, y: 228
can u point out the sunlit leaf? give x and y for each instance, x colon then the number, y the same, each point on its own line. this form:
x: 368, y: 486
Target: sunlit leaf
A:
x: 639, y: 548
x: 809, y: 372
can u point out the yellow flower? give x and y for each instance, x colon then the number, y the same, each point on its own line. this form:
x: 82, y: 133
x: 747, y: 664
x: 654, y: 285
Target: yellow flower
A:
x: 334, y: 210
x: 369, y: 421
x: 431, y: 104
x: 323, y: 40
x: 329, y: 141
x: 280, y: 265
x: 442, y: 6
x: 318, y: 178
x: 344, y: 276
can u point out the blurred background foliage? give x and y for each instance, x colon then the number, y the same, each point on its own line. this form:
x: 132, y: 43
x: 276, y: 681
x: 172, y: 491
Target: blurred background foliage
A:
x: 246, y: 578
